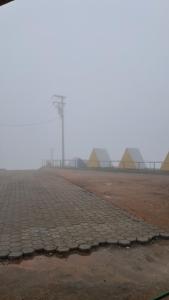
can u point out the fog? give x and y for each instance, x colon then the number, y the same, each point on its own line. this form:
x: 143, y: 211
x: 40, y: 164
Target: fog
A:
x: 109, y: 58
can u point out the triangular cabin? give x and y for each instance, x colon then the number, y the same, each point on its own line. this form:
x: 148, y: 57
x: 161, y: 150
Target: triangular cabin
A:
x: 132, y: 159
x: 165, y: 164
x: 99, y: 158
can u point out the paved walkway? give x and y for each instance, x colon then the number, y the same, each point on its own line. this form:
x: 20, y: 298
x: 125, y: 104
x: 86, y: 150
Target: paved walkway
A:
x: 40, y: 211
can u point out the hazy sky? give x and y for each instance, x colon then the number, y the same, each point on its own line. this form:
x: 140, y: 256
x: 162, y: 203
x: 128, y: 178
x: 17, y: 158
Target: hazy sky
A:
x: 109, y: 57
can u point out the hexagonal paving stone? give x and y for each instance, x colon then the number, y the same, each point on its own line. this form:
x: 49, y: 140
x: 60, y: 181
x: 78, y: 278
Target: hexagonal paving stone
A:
x: 85, y: 247
x: 61, y: 217
x: 164, y: 235
x: 143, y: 239
x: 112, y: 241
x: 63, y: 250
x: 28, y: 251
x: 4, y: 254
x: 50, y: 248
x: 15, y: 255
x: 124, y: 243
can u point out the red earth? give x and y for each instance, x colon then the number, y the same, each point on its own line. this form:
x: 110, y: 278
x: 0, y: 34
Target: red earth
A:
x: 137, y: 273
x: 143, y: 195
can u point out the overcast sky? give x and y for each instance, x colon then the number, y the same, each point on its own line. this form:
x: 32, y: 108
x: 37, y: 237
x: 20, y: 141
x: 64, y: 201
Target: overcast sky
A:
x: 109, y: 57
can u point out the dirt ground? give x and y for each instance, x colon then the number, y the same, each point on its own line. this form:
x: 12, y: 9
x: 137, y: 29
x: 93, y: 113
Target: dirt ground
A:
x: 144, y: 195
x: 108, y: 273
x: 138, y: 273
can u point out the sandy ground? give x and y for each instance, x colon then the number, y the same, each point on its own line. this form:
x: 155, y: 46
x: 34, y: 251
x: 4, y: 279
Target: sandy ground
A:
x: 139, y: 273
x: 145, y: 196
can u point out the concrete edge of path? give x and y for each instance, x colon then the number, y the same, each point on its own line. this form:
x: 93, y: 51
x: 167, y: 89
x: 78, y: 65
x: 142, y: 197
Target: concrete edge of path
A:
x: 82, y: 249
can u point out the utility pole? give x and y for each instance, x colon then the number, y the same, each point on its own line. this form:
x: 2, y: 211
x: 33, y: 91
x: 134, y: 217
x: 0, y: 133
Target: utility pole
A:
x: 59, y: 103
x: 52, y: 157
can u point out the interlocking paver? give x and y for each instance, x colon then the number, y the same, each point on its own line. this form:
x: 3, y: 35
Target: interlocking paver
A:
x: 43, y: 212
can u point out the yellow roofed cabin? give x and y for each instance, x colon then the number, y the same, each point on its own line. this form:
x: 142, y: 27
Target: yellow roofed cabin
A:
x: 165, y: 164
x: 132, y: 159
x: 99, y: 158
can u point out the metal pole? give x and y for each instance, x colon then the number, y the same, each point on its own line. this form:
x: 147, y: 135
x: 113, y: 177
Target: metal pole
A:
x: 63, y: 133
x: 52, y: 156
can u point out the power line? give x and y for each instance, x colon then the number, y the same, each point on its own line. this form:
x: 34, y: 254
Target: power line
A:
x: 28, y: 124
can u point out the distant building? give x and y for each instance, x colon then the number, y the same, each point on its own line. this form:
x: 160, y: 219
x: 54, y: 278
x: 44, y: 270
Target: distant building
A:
x: 132, y: 159
x: 99, y: 158
x: 77, y: 162
x: 165, y: 164
x: 2, y: 2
